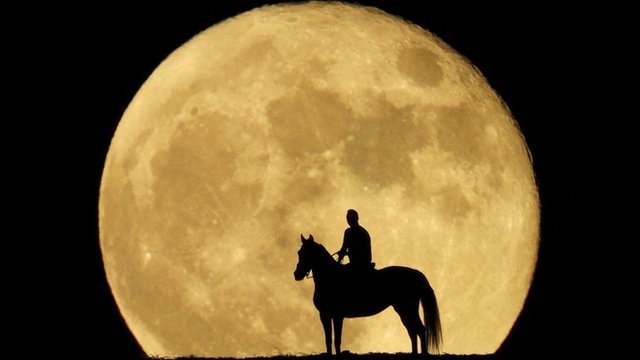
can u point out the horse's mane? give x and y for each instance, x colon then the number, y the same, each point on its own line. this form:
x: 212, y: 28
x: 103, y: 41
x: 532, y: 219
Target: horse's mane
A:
x: 324, y: 253
x: 321, y: 247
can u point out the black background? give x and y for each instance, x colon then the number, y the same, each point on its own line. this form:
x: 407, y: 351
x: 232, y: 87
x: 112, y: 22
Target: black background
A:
x: 531, y: 55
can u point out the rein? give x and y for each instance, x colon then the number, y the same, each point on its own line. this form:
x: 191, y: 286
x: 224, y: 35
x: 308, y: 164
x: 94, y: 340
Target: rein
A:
x: 307, y: 276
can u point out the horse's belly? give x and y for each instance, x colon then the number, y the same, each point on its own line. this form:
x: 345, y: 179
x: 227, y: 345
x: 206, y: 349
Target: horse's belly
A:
x: 369, y: 295
x: 364, y: 311
x: 352, y: 307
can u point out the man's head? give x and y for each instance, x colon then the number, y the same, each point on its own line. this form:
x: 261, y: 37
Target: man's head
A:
x: 352, y: 217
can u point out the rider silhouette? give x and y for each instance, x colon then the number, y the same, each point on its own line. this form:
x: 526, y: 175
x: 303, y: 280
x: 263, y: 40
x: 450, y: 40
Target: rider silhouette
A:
x: 356, y: 244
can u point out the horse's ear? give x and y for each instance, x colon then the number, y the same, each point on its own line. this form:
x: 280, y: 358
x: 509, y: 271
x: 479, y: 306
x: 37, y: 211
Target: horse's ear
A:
x: 302, y: 239
x: 310, y: 237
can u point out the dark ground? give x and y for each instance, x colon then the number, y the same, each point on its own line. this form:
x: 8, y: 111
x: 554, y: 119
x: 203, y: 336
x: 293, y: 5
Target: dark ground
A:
x: 370, y: 356
x: 87, y: 62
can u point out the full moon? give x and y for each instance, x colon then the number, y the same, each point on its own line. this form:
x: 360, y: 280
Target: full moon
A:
x: 274, y: 123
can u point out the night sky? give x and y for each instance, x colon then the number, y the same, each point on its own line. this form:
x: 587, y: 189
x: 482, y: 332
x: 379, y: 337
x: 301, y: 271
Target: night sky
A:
x: 529, y: 55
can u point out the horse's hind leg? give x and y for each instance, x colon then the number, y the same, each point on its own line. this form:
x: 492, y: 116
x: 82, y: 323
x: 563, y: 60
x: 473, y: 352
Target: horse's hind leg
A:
x: 408, y: 314
x: 421, y: 331
x: 326, y: 324
x: 418, y: 330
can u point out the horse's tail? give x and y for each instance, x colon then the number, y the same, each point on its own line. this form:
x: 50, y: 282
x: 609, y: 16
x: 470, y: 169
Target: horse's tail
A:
x: 431, y: 319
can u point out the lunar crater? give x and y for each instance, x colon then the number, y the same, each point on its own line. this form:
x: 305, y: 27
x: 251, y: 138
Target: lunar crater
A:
x: 421, y: 66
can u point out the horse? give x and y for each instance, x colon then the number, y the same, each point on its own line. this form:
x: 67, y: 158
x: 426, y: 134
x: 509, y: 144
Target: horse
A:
x: 342, y: 293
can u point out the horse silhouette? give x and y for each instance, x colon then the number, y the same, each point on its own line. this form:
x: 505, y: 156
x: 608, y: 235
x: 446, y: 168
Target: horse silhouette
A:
x: 341, y: 293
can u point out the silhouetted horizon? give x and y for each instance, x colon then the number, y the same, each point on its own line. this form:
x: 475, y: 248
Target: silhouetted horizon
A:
x: 364, y: 356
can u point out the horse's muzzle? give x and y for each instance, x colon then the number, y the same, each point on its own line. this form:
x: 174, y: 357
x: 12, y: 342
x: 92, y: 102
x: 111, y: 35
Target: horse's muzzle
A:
x: 298, y: 275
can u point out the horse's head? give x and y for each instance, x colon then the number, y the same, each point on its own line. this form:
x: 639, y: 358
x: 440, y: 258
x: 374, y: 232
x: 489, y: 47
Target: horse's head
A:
x: 306, y: 257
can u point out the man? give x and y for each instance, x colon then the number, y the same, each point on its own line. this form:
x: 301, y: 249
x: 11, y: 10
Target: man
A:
x: 356, y: 244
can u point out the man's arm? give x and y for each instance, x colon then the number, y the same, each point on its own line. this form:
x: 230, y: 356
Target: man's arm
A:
x: 343, y: 250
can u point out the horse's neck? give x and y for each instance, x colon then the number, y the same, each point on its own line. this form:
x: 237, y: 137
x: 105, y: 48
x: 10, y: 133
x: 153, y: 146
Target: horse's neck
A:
x: 324, y: 263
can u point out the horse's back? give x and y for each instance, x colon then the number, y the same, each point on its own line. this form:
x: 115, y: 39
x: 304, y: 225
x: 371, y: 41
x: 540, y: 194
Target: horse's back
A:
x: 401, y: 277
x: 402, y: 270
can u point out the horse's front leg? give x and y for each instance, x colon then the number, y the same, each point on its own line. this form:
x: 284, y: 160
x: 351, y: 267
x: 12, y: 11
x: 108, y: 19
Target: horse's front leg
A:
x: 337, y: 326
x: 326, y: 324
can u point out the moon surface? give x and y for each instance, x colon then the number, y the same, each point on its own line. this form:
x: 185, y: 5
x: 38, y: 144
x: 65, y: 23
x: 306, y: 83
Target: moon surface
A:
x: 274, y: 123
